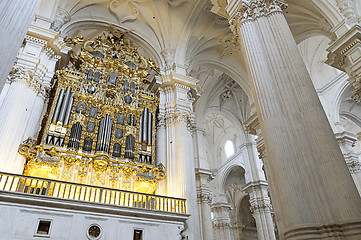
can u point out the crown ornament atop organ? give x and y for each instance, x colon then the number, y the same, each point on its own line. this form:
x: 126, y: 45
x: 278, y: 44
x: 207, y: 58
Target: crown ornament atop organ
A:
x: 99, y: 128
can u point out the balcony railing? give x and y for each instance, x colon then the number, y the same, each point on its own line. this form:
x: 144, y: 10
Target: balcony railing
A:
x: 87, y: 193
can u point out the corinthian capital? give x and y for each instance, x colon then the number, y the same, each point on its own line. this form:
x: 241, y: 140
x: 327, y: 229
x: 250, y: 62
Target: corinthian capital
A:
x: 30, y: 78
x: 250, y: 10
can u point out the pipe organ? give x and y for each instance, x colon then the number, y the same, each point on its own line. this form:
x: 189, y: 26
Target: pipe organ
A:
x: 100, y: 125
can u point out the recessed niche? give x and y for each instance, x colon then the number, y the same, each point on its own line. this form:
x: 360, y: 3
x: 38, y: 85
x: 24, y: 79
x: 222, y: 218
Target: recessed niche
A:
x: 43, y: 228
x: 137, y: 234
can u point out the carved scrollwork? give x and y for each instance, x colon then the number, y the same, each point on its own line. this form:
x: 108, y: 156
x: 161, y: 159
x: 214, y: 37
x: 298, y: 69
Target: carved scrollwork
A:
x: 221, y: 225
x: 354, y: 166
x: 27, y: 149
x: 30, y: 78
x: 204, y: 197
x: 253, y: 9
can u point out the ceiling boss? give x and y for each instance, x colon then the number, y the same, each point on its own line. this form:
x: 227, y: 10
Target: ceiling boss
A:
x: 99, y: 128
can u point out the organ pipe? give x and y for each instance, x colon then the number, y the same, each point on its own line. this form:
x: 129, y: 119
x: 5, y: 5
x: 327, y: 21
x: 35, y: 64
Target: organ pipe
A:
x: 145, y: 124
x: 68, y: 111
x: 58, y: 105
x: 149, y: 134
x: 67, y: 116
x: 104, y: 134
x: 108, y: 135
x: 65, y: 104
x: 141, y: 128
x: 100, y: 133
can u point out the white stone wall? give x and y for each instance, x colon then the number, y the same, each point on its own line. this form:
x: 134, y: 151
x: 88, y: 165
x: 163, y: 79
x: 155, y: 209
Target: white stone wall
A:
x: 20, y: 214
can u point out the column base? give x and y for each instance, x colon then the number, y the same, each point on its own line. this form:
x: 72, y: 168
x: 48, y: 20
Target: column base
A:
x: 349, y: 231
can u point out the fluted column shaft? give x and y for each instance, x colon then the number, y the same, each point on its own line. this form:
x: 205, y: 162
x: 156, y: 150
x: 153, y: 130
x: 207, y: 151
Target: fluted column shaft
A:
x: 16, y: 111
x: 15, y: 19
x: 257, y: 188
x: 311, y: 187
x: 175, y: 114
x: 22, y: 107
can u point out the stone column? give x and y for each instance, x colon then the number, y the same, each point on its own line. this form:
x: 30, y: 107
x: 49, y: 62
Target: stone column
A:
x: 257, y: 189
x: 176, y: 113
x: 221, y: 221
x: 311, y: 188
x: 261, y: 209
x: 346, y: 140
x: 204, y: 196
x: 22, y: 107
x: 15, y: 19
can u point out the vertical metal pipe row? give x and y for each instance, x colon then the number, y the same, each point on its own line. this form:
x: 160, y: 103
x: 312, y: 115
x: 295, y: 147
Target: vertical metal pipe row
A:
x: 149, y: 134
x: 105, y: 135
x: 149, y: 140
x: 75, y: 135
x: 58, y: 105
x: 140, y: 134
x: 141, y: 128
x: 100, y: 133
x: 65, y: 105
x: 108, y: 133
x: 78, y: 135
x: 72, y: 140
x: 68, y: 110
x: 145, y: 125
x: 67, y: 116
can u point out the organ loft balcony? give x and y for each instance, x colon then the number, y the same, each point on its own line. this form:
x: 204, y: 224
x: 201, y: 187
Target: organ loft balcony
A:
x: 97, y: 138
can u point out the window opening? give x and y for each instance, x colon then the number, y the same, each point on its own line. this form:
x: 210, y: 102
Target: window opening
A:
x: 229, y: 148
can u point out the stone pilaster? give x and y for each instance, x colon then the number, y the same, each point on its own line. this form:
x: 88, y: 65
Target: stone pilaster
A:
x: 221, y: 222
x: 299, y: 142
x: 15, y: 19
x: 204, y: 196
x: 175, y: 125
x: 29, y: 81
x: 346, y: 141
